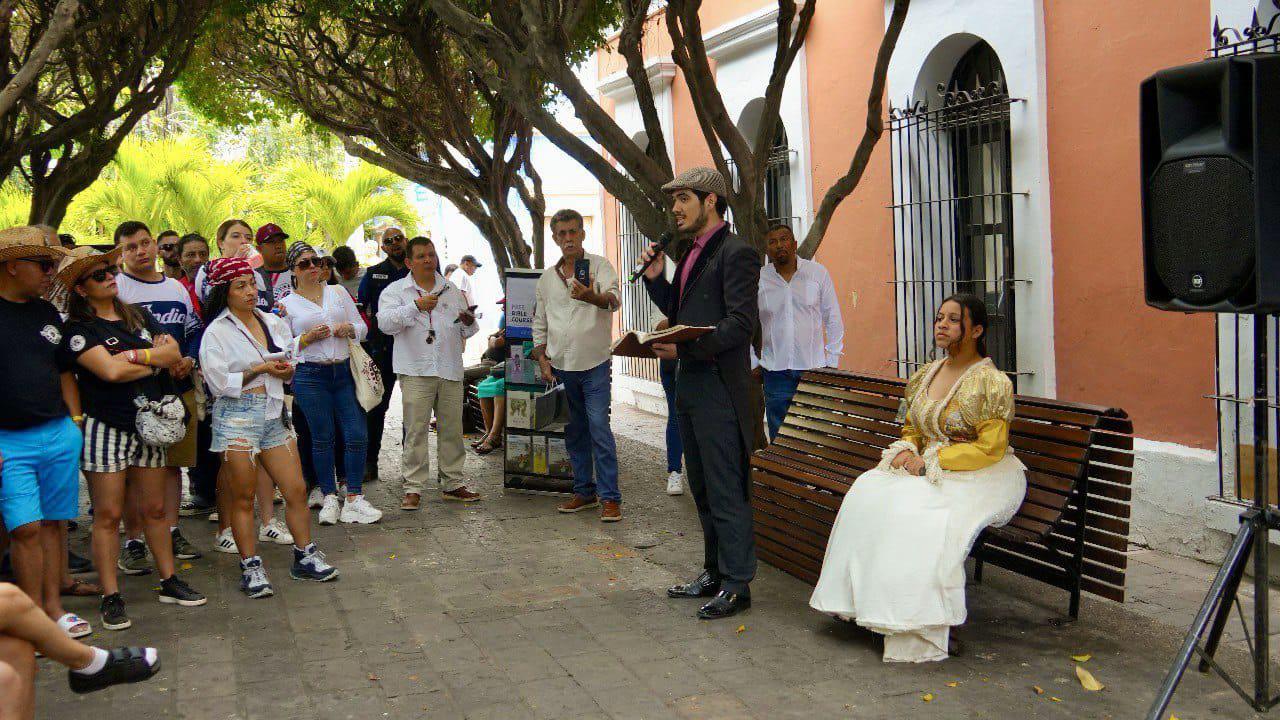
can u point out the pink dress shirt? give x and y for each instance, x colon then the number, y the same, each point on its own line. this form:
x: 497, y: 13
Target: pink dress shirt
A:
x: 694, y: 253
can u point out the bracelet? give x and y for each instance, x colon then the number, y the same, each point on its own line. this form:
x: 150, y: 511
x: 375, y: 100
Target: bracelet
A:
x: 147, y: 356
x: 77, y: 419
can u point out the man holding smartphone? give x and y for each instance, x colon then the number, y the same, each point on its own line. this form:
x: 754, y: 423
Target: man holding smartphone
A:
x: 572, y: 335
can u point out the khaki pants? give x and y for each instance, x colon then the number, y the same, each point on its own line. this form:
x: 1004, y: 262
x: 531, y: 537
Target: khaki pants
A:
x: 421, y: 396
x: 182, y: 454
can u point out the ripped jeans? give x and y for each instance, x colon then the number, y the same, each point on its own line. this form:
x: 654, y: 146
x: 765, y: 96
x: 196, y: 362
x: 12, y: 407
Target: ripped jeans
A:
x: 242, y: 424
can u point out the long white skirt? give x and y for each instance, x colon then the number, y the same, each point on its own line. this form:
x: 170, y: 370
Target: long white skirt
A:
x: 895, y: 560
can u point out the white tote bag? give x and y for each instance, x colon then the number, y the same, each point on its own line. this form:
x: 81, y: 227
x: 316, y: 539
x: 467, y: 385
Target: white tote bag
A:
x: 366, y: 376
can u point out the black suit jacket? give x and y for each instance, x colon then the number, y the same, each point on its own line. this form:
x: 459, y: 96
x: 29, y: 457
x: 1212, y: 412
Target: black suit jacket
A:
x: 722, y: 292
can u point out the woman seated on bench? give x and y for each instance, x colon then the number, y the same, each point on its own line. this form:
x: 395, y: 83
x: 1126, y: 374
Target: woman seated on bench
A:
x: 895, y: 560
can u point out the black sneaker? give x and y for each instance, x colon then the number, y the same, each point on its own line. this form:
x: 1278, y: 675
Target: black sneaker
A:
x: 77, y: 564
x: 183, y: 549
x: 195, y: 509
x: 133, y: 558
x: 113, y: 615
x: 176, y: 592
x: 124, y: 665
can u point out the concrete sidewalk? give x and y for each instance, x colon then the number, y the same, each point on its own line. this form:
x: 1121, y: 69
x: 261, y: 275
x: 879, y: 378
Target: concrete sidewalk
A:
x: 505, y: 609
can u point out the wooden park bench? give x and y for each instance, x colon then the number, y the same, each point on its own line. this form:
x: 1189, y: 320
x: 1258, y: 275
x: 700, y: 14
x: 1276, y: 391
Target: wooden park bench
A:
x: 1071, y: 532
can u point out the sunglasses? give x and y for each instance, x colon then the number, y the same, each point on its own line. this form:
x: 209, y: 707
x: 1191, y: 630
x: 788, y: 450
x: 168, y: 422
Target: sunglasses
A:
x: 45, y: 264
x: 392, y: 239
x: 101, y: 274
x: 169, y: 247
x: 308, y: 263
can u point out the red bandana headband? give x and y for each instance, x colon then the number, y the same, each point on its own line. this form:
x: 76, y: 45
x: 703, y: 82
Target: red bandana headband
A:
x: 223, y: 270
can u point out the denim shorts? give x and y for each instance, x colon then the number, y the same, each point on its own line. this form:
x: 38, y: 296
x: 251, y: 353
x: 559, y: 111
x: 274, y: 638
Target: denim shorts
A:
x: 241, y: 423
x: 41, y: 475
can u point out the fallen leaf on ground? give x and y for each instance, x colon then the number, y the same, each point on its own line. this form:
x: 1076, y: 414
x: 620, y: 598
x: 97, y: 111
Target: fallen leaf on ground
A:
x: 742, y: 628
x: 1055, y: 699
x: 1081, y: 658
x: 1039, y: 690
x: 1087, y: 680
x: 927, y: 697
x: 953, y: 684
x: 392, y: 556
x: 185, y: 566
x: 373, y: 678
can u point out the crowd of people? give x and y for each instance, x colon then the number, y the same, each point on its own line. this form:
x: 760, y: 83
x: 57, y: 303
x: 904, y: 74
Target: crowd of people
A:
x: 132, y: 364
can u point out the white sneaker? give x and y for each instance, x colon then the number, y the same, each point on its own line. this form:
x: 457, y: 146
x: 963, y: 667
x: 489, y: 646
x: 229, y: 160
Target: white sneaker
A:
x: 316, y: 499
x: 358, y: 510
x: 675, y: 483
x: 213, y: 516
x: 329, y: 512
x: 224, y: 542
x: 275, y: 532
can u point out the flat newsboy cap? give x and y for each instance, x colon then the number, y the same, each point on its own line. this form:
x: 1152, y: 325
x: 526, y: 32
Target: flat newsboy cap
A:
x: 703, y: 179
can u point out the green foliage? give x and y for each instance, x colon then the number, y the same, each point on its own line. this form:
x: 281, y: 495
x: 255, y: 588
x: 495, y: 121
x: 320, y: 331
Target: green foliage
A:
x: 179, y: 184
x: 313, y: 205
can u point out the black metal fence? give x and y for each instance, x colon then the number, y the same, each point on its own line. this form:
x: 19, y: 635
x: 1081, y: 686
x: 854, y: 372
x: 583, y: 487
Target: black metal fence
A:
x: 1238, y: 390
x: 953, y: 218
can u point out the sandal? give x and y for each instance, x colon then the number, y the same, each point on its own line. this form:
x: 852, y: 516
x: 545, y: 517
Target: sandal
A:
x: 485, y: 449
x: 80, y: 588
x: 74, y: 626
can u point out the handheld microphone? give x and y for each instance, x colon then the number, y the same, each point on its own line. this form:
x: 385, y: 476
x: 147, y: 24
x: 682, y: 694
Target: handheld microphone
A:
x: 657, y: 248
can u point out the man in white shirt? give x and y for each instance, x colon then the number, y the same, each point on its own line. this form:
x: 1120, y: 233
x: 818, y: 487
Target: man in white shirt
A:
x: 468, y: 265
x: 427, y: 315
x: 797, y: 307
x: 572, y: 331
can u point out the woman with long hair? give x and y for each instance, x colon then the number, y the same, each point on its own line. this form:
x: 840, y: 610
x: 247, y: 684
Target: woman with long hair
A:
x: 246, y: 356
x: 235, y: 239
x: 122, y: 354
x: 895, y: 560
x: 324, y: 319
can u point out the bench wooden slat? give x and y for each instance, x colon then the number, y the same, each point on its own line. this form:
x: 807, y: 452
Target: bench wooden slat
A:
x: 774, y: 482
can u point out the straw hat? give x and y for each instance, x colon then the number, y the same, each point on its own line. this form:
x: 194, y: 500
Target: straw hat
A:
x: 74, y: 265
x: 28, y: 241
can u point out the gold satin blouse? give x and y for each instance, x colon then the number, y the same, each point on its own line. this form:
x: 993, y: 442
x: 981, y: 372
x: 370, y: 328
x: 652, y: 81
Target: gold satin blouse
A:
x: 970, y: 426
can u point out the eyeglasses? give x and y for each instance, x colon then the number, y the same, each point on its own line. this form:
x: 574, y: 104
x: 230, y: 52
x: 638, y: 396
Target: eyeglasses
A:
x: 45, y: 264
x: 101, y: 274
x: 169, y: 247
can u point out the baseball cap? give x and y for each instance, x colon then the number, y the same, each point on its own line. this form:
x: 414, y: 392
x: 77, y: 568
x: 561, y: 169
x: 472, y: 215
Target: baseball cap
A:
x: 471, y: 258
x: 269, y: 232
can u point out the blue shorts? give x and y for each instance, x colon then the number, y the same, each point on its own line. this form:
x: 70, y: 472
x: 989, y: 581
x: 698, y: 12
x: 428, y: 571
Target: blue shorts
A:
x: 40, y: 479
x: 242, y: 423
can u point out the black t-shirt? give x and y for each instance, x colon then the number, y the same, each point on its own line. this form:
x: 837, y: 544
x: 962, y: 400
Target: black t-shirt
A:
x: 32, y: 357
x: 113, y: 403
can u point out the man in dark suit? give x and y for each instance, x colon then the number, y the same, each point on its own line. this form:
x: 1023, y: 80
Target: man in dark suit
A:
x: 715, y: 285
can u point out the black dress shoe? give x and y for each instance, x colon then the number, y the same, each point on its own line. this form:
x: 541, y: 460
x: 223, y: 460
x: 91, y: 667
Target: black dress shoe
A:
x: 702, y: 586
x: 724, y: 605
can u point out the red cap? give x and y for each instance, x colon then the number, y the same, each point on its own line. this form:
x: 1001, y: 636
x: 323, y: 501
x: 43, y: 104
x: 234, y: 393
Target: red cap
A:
x: 269, y: 232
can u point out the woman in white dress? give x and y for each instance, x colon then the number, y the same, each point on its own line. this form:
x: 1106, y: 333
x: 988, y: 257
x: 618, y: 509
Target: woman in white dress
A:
x: 895, y: 559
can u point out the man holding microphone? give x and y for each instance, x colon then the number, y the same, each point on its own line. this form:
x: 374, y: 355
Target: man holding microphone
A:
x: 716, y: 284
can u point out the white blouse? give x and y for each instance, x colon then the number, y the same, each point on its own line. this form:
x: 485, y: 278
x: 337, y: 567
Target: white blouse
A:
x: 336, y: 308
x: 228, y: 350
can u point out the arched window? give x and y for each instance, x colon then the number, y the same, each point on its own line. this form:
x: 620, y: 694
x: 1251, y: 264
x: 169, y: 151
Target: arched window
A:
x: 983, y: 217
x: 777, y: 180
x: 953, y: 211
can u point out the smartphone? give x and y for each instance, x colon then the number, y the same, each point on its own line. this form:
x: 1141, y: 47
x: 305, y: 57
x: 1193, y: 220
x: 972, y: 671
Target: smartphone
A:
x: 582, y: 271
x: 282, y: 356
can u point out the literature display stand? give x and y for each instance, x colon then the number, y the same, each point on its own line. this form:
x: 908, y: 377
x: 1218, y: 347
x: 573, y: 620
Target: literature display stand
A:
x: 536, y: 457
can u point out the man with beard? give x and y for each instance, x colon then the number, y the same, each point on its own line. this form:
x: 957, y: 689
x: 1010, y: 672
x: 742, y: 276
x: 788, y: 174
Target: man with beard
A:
x: 167, y: 243
x: 716, y: 285
x: 378, y: 344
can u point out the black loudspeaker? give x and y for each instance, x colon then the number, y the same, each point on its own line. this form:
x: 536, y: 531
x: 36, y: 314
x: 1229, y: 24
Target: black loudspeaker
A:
x: 1211, y: 186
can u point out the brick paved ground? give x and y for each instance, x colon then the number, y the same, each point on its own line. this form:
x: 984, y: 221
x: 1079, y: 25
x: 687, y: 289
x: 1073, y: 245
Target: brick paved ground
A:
x: 504, y: 609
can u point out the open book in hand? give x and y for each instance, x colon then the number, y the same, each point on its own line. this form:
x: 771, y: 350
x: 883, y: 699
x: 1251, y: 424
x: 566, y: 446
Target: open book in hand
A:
x: 637, y: 344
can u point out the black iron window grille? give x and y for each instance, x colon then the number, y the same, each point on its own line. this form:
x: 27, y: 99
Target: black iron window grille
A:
x: 777, y: 182
x: 637, y: 310
x: 953, y: 209
x: 1238, y: 390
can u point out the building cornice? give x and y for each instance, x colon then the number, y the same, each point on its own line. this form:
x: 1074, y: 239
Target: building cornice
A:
x: 746, y: 32
x: 660, y: 72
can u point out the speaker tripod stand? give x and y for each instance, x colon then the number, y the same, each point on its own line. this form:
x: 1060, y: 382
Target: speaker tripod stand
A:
x: 1255, y: 522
